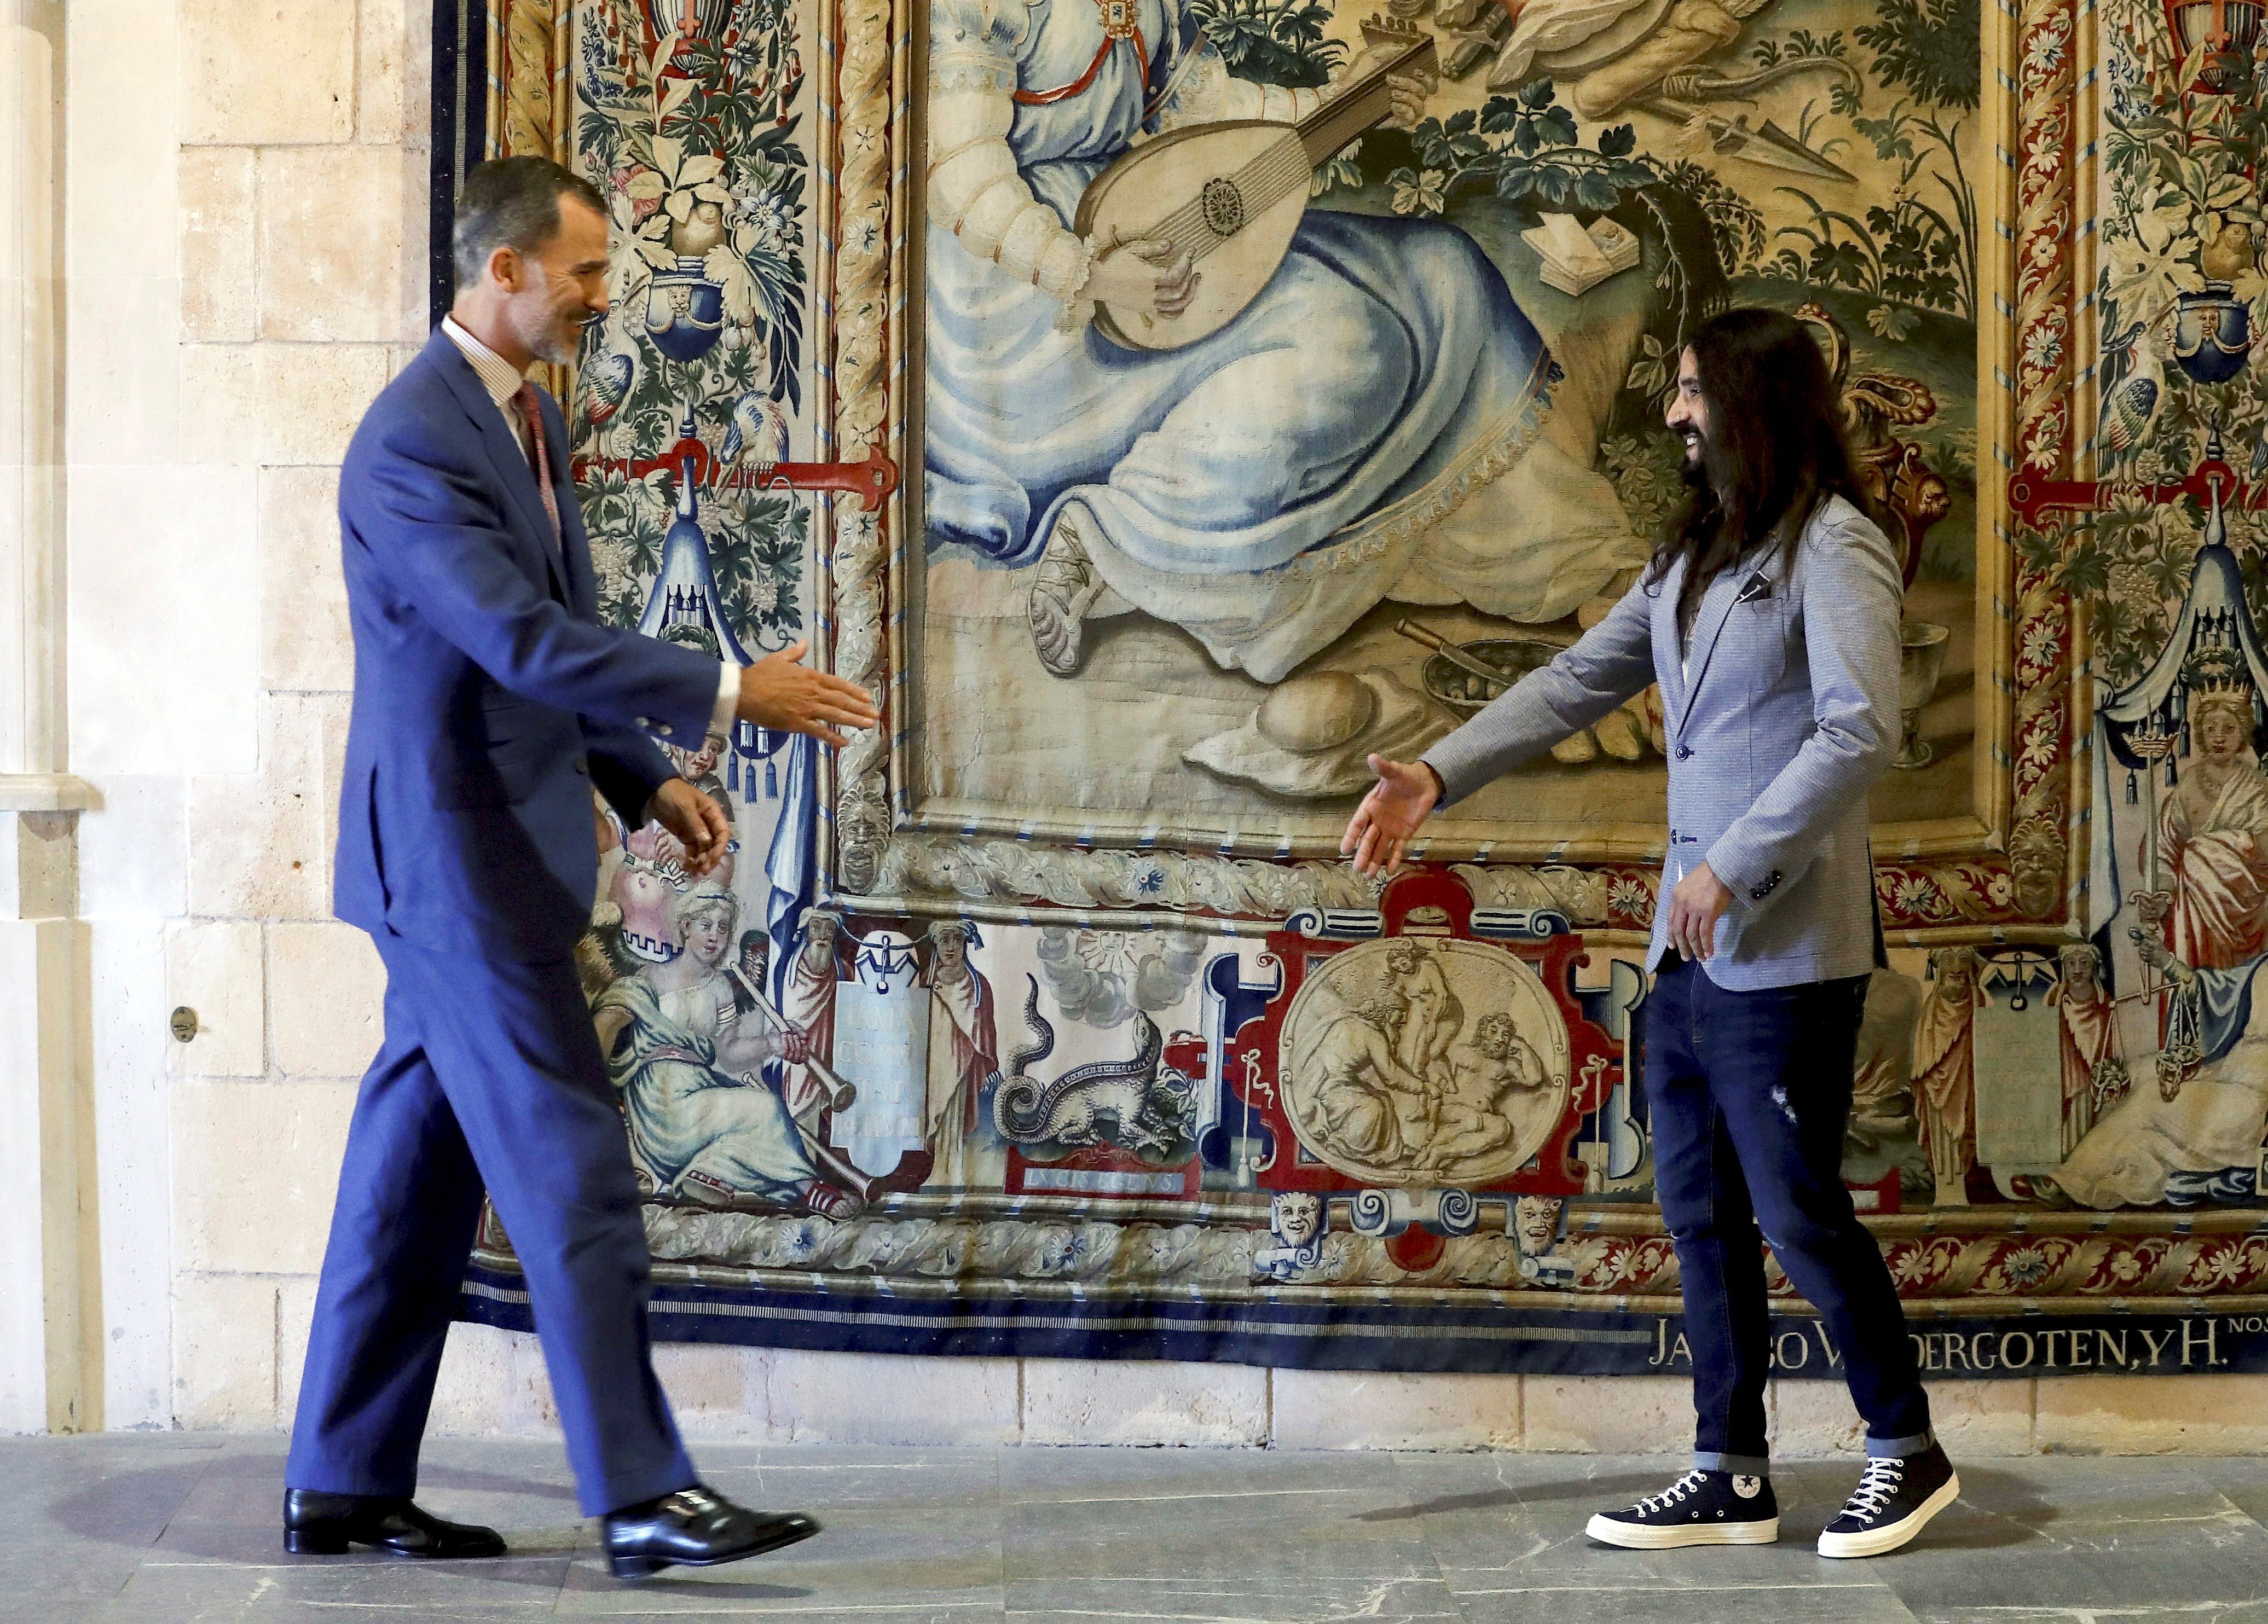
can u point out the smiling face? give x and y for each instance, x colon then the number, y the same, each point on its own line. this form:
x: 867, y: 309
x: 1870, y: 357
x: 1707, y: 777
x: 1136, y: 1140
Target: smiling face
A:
x: 1688, y: 418
x: 1536, y: 1223
x: 554, y: 289
x: 1296, y: 1217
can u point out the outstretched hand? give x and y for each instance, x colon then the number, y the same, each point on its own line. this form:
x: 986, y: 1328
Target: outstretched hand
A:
x: 780, y: 693
x: 1378, y: 835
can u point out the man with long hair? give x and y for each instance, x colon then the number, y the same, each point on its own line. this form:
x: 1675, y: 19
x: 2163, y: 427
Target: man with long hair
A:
x: 1769, y: 615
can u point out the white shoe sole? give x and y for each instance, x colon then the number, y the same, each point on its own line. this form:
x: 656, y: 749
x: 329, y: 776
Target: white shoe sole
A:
x: 1638, y: 1537
x: 1876, y: 1541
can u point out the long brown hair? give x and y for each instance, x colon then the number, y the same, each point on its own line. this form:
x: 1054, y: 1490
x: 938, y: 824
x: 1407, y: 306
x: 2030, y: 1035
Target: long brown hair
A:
x: 1774, y: 452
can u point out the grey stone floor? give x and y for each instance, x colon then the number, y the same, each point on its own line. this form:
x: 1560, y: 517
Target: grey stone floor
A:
x: 169, y: 1528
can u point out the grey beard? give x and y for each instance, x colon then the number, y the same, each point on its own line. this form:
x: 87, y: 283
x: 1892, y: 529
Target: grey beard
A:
x: 557, y: 353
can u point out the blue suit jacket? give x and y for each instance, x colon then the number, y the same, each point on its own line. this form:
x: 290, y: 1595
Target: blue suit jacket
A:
x: 487, y: 699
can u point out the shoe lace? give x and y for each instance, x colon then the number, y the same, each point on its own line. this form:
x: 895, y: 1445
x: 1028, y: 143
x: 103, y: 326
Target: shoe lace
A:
x: 1672, y: 1494
x: 1879, y: 1482
x: 694, y: 1502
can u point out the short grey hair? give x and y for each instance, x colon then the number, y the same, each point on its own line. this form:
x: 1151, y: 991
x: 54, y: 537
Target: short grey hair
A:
x: 511, y: 202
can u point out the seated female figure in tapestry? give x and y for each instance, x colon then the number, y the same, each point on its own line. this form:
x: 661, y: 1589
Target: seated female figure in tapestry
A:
x: 1376, y: 423
x: 702, y: 1122
x: 2196, y: 1136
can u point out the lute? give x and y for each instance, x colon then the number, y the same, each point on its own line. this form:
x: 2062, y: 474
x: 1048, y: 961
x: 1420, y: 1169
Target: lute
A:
x: 1231, y: 193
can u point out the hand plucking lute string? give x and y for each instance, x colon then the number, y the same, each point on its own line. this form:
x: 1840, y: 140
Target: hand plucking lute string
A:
x: 1228, y: 196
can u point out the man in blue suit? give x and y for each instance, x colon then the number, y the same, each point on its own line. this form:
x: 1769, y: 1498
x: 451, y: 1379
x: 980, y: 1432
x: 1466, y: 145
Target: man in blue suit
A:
x: 489, y: 703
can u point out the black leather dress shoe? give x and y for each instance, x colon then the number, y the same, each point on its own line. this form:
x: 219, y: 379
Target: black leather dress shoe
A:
x: 695, y: 1528
x: 319, y: 1524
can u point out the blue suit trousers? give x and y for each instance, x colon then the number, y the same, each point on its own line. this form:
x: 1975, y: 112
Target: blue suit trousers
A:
x: 489, y: 1074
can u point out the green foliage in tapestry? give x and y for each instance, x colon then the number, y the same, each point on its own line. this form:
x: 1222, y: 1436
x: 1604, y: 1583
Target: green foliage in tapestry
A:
x: 1280, y: 43
x: 1930, y: 47
x: 695, y: 141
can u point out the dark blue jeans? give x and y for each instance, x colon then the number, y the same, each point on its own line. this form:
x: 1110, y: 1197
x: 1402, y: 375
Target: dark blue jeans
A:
x: 1749, y: 1092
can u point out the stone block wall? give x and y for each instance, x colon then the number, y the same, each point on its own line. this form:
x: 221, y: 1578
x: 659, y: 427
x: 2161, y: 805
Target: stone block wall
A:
x: 492, y: 1382
x: 244, y: 237
x: 245, y: 222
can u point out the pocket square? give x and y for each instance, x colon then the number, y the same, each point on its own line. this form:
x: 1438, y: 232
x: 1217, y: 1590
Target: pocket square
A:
x: 1754, y: 588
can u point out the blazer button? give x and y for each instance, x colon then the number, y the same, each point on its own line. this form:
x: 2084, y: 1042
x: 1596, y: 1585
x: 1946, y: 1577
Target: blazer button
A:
x: 645, y: 722
x: 1684, y: 752
x: 583, y: 767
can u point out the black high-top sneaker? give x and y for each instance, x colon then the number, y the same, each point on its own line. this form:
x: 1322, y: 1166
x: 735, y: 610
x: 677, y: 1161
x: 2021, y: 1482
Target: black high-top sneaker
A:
x: 1701, y: 1508
x: 1892, y: 1502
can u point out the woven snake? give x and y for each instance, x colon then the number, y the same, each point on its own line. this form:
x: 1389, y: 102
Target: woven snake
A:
x: 1074, y: 1108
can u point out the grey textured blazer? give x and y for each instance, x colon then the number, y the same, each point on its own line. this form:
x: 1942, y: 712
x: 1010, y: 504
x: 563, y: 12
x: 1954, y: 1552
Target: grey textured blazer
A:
x: 1786, y: 712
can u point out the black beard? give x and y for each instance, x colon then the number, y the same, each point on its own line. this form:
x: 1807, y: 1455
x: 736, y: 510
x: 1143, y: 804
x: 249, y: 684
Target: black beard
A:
x: 1692, y: 467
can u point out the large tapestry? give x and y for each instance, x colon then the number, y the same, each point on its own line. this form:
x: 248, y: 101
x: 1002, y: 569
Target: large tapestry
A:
x: 1163, y: 405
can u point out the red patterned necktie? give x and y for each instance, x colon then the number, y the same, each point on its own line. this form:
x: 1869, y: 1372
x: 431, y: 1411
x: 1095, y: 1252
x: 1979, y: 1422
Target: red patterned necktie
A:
x: 530, y: 412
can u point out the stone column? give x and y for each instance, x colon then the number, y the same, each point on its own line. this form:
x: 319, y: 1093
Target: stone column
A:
x: 49, y: 1348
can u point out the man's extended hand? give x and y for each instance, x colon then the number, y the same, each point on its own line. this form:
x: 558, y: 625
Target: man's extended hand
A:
x: 1378, y: 835
x: 698, y: 822
x: 779, y: 692
x: 1695, y: 908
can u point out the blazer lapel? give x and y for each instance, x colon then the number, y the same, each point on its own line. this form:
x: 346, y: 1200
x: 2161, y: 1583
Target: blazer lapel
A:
x: 1669, y: 673
x: 513, y: 472
x: 1708, y: 623
x: 1717, y: 605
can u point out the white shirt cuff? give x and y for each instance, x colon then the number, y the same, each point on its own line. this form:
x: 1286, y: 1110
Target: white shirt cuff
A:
x: 728, y: 701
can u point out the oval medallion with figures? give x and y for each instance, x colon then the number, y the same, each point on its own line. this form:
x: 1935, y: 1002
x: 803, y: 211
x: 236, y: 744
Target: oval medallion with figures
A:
x: 1424, y: 1061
